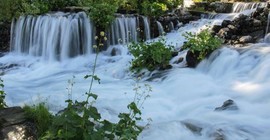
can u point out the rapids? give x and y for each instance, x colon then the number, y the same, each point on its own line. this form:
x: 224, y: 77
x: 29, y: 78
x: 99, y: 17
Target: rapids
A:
x: 179, y: 94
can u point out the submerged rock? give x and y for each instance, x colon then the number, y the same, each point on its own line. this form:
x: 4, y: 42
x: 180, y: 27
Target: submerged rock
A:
x: 227, y: 105
x: 193, y: 128
x: 218, y: 135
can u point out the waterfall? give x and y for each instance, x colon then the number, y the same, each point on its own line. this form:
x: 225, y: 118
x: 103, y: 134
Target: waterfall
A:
x: 171, y: 26
x: 266, y: 37
x: 241, y: 6
x: 123, y: 30
x: 160, y: 28
x: 146, y: 28
x: 60, y: 36
x: 53, y: 36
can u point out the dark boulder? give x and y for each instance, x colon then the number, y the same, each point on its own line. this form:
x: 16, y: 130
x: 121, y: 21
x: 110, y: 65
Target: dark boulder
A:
x: 192, y: 58
x: 216, y: 28
x: 225, y: 23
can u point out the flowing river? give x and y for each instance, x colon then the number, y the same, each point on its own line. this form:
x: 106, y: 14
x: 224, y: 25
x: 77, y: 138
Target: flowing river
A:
x: 180, y: 95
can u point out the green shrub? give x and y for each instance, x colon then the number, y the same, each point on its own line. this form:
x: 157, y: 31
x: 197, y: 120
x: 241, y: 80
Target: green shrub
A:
x: 9, y: 9
x: 153, y: 9
x: 102, y: 13
x: 154, y: 55
x: 40, y: 115
x: 204, y: 43
x: 2, y: 95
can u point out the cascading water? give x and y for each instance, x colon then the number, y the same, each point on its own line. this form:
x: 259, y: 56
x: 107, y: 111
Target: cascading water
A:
x: 123, y: 30
x: 171, y: 26
x: 241, y: 6
x: 160, y: 28
x: 53, y: 36
x: 267, y: 36
x: 64, y: 35
x: 146, y: 28
x: 183, y: 100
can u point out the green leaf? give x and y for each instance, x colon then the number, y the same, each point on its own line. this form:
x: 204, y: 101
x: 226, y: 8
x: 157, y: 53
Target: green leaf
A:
x: 133, y: 107
x: 95, y: 77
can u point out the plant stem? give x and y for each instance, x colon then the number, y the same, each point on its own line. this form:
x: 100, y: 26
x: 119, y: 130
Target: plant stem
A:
x: 92, y: 78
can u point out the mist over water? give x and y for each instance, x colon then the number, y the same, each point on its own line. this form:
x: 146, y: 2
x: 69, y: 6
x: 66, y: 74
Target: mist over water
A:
x: 180, y: 95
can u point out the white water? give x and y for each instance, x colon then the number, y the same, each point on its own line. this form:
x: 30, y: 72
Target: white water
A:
x: 53, y: 36
x: 146, y: 28
x: 241, y: 6
x: 181, y: 94
x: 124, y: 30
x: 60, y: 36
x: 160, y: 28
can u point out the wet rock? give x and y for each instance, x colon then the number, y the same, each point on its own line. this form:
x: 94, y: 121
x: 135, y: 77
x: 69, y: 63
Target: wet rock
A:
x: 216, y: 28
x: 165, y: 67
x: 244, y: 29
x: 179, y: 60
x: 225, y: 23
x: 174, y: 53
x: 224, y: 33
x: 246, y: 39
x: 113, y: 52
x: 257, y: 22
x: 218, y: 135
x: 8, y: 66
x: 227, y: 105
x: 192, y: 127
x: 232, y: 28
x: 15, y: 126
x: 192, y: 59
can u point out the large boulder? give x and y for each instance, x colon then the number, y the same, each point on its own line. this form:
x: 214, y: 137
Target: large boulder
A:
x: 15, y: 126
x: 192, y: 59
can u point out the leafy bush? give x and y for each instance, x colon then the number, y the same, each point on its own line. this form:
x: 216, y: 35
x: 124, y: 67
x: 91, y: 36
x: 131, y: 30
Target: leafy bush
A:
x: 172, y: 3
x: 58, y: 4
x: 2, y: 95
x: 203, y: 43
x: 15, y: 8
x: 102, y: 13
x: 34, y: 7
x: 9, y: 9
x: 40, y: 115
x: 154, y: 9
x: 152, y: 55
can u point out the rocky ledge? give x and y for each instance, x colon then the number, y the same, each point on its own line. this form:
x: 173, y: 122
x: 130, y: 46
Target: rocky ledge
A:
x: 243, y: 29
x: 4, y: 36
x: 15, y: 126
